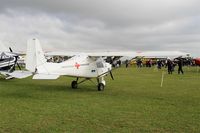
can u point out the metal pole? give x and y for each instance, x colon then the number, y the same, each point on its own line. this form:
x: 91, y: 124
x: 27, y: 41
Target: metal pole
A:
x: 162, y: 79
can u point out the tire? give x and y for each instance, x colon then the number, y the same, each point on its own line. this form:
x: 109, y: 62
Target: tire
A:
x: 74, y: 85
x: 101, y: 87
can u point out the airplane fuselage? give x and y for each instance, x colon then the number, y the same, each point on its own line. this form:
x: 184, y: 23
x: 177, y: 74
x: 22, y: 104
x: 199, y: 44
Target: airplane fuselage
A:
x: 197, y: 61
x: 77, y: 66
x: 6, y: 63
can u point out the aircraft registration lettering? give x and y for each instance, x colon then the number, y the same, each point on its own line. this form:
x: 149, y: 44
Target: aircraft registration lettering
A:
x: 93, y: 71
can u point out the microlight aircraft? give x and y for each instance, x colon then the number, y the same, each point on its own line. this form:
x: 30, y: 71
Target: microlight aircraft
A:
x: 83, y: 66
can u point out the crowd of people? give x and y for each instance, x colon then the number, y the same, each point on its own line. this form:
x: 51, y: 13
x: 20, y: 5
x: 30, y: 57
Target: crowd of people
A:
x: 171, y: 65
x: 167, y: 63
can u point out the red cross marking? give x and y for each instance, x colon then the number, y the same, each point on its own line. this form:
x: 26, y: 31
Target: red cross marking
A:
x: 77, y: 65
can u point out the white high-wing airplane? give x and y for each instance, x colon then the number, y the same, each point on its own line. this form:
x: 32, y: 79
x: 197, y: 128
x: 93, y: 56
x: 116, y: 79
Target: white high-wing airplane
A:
x: 81, y: 65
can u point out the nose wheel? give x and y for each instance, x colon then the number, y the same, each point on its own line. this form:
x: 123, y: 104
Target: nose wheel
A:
x: 101, y: 83
x: 101, y: 87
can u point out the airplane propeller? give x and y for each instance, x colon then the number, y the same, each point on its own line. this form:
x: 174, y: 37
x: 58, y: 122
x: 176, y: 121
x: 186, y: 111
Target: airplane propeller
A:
x: 10, y: 50
x: 16, y: 58
x: 111, y: 75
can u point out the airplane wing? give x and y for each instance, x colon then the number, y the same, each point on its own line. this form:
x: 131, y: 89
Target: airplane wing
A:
x: 15, y: 74
x: 152, y: 54
x: 92, y: 54
x: 45, y: 76
x: 62, y: 53
x: 162, y: 54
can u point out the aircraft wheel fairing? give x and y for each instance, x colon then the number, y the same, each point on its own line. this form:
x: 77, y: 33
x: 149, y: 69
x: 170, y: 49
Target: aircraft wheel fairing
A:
x: 101, y: 87
x: 74, y: 84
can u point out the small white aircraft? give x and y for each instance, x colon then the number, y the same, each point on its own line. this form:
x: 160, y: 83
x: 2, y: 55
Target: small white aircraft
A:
x: 79, y: 66
x: 82, y: 65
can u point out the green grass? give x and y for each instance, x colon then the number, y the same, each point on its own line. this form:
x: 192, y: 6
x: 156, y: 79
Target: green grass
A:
x: 133, y: 102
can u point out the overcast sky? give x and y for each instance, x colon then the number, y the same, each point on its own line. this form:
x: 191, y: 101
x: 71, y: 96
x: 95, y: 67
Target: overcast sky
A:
x: 81, y: 25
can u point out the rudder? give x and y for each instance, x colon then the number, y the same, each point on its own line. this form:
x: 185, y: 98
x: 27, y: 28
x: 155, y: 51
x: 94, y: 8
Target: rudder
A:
x: 34, y: 55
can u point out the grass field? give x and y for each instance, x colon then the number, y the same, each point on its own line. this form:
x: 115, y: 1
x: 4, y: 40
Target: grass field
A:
x: 133, y: 102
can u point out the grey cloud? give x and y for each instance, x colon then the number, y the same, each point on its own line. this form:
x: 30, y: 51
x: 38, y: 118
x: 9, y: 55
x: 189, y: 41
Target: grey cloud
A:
x: 120, y: 12
x: 105, y: 24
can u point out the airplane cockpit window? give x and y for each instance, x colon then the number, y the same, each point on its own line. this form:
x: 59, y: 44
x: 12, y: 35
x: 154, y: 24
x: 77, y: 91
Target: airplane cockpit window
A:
x: 99, y: 64
x: 3, y: 55
x: 58, y: 59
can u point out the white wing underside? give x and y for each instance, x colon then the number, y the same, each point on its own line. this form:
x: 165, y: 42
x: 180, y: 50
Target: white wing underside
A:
x: 16, y: 74
x: 45, y: 76
x: 161, y: 54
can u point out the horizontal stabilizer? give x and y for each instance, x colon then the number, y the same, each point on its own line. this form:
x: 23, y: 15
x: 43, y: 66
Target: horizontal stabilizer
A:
x: 45, y: 76
x: 20, y: 74
x: 16, y: 74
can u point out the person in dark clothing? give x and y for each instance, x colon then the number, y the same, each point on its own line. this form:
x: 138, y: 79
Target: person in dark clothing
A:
x: 180, y: 65
x: 169, y: 66
x: 159, y: 63
x: 139, y: 63
x: 173, y: 66
x: 119, y: 62
x: 126, y: 62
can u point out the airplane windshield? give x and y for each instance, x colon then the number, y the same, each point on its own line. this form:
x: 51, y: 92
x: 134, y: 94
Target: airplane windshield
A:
x: 99, y: 64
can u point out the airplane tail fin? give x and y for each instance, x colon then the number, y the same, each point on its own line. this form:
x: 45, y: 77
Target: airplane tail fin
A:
x: 34, y: 55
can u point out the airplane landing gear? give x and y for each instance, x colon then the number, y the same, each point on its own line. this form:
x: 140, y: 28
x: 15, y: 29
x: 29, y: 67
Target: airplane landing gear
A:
x: 74, y: 84
x: 100, y: 80
x: 101, y: 83
x: 101, y: 87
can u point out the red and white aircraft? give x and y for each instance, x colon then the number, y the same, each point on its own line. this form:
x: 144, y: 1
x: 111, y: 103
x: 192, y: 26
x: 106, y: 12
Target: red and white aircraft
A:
x: 80, y: 65
x: 197, y: 61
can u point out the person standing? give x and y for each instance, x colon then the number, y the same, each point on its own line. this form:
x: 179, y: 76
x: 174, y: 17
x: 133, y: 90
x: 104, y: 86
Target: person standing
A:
x: 159, y: 64
x: 169, y: 66
x: 126, y: 62
x: 180, y: 66
x: 119, y: 62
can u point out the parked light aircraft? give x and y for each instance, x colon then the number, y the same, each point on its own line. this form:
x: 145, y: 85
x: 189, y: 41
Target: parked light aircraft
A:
x: 80, y: 65
x: 197, y: 61
x: 8, y: 61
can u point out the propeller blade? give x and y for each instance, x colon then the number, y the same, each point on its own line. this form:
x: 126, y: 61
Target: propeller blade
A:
x: 10, y: 49
x: 17, y: 62
x: 18, y: 66
x: 12, y: 69
x: 111, y: 75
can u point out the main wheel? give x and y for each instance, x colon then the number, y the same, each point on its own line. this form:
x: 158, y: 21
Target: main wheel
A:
x: 101, y: 87
x: 74, y: 84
